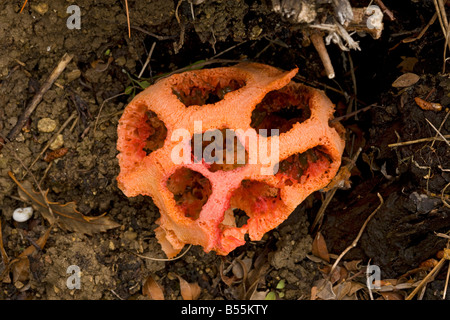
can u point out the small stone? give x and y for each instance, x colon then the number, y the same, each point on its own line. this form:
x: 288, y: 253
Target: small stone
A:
x: 40, y: 8
x: 73, y: 75
x: 20, y: 138
x: 255, y: 32
x: 58, y: 143
x: 46, y: 125
x: 19, y: 285
x: 130, y: 235
x: 121, y: 61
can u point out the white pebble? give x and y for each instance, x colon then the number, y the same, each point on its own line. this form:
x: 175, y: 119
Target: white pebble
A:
x: 22, y: 214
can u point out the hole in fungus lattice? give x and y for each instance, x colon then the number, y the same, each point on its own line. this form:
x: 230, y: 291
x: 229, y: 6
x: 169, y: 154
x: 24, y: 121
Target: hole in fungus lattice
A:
x: 190, y: 189
x: 221, y: 150
x: 300, y: 167
x: 254, y: 198
x: 202, y: 92
x: 281, y: 109
x: 145, y: 134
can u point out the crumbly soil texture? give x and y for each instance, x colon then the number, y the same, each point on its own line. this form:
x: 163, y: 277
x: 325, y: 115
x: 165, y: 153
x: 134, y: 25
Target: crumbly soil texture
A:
x: 68, y: 147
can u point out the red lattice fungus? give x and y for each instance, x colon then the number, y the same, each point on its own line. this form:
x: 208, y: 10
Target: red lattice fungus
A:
x: 215, y: 205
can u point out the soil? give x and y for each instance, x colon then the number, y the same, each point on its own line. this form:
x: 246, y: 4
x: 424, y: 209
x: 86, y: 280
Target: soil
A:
x: 96, y: 87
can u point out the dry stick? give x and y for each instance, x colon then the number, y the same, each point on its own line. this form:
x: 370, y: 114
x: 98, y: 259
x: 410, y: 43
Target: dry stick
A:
x: 148, y: 59
x: 406, y: 143
x: 443, y: 196
x: 446, y: 284
x: 355, y: 87
x: 152, y: 34
x: 426, y: 279
x: 319, y: 44
x: 355, y: 242
x: 440, y: 134
x: 438, y: 11
x: 5, y: 257
x: 44, y: 196
x: 38, y: 97
x: 73, y: 115
x: 128, y: 18
x: 441, y: 125
x: 442, y: 19
x: 226, y: 50
x: 101, y: 108
x: 51, y: 163
x: 420, y: 35
x: 385, y: 9
x: 443, y: 12
x: 162, y: 259
x: 23, y: 7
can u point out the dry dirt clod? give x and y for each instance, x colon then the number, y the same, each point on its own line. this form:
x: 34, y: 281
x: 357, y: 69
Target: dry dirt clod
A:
x: 46, y: 125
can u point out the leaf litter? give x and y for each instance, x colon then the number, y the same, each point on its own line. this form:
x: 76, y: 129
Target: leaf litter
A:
x: 65, y: 215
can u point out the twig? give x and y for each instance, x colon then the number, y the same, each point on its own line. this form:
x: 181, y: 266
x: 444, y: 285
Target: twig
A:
x: 23, y: 7
x: 442, y: 19
x: 38, y: 97
x: 34, y: 179
x: 65, y: 124
x: 420, y: 35
x: 179, y: 45
x: 101, y: 108
x: 5, y: 257
x: 355, y: 242
x: 385, y: 9
x: 148, y: 60
x: 230, y: 48
x: 128, y: 18
x: 427, y: 278
x: 319, y: 44
x: 440, y: 127
x: 446, y: 283
x: 351, y: 114
x: 406, y: 143
x: 162, y: 259
x: 443, y: 196
x: 152, y: 34
x: 355, y: 87
x: 440, y: 134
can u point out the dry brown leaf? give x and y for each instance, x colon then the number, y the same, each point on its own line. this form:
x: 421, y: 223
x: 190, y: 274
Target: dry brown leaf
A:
x: 66, y: 215
x: 356, y: 286
x: 392, y: 296
x: 319, y: 248
x: 241, y: 268
x: 325, y: 290
x: 227, y: 280
x: 5, y: 257
x: 152, y: 289
x: 20, y: 267
x: 189, y: 291
x: 40, y: 242
x: 342, y: 289
x: 406, y: 80
x: 313, y: 293
x: 352, y: 265
x: 259, y: 295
